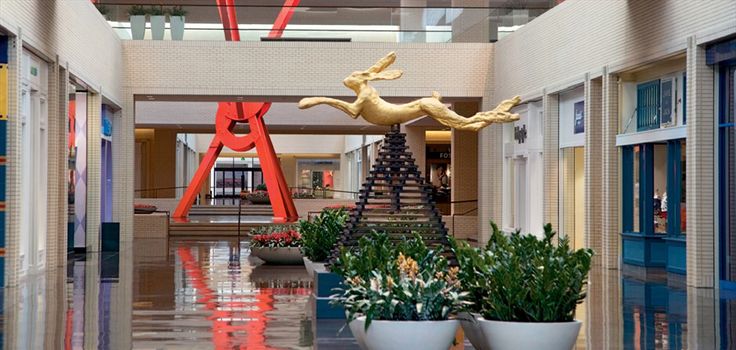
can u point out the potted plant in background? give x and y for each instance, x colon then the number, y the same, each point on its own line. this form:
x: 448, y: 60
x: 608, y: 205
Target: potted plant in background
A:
x: 320, y: 236
x: 141, y: 208
x: 104, y: 11
x: 259, y: 196
x: 137, y: 22
x: 280, y: 245
x: 528, y: 289
x: 399, y: 296
x: 176, y: 21
x: 158, y: 22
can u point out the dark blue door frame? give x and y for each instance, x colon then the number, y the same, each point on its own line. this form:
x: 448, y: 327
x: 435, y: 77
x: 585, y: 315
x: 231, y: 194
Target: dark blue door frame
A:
x: 727, y: 71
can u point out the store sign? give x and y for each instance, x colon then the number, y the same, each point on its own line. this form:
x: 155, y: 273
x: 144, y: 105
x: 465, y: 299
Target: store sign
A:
x: 520, y: 134
x: 438, y: 155
x: 106, y: 127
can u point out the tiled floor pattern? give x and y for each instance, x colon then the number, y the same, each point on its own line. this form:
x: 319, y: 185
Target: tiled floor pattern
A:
x: 185, y: 294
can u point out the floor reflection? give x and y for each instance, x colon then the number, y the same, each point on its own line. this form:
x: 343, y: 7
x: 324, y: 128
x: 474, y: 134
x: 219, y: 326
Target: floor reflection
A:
x: 182, y: 294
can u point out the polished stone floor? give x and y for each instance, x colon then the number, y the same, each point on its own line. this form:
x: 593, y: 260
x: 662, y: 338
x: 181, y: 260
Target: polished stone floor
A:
x: 180, y: 294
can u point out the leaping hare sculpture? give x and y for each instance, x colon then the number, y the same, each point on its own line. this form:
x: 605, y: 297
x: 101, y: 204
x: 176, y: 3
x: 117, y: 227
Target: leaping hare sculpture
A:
x: 375, y: 110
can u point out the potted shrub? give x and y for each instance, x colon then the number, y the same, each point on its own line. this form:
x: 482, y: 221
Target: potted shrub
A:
x: 176, y: 21
x: 259, y: 196
x: 137, y: 22
x: 399, y: 296
x: 320, y: 236
x: 527, y: 288
x: 104, y: 11
x: 280, y: 245
x: 158, y: 22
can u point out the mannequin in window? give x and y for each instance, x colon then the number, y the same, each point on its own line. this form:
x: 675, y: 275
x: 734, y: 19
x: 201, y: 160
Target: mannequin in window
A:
x: 444, y: 180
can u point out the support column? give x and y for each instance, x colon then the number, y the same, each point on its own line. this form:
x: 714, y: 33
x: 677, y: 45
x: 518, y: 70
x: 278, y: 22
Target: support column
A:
x: 551, y: 159
x: 702, y: 327
x: 417, y: 143
x: 700, y: 167
x: 57, y: 197
x: 464, y: 164
x: 593, y: 166
x: 123, y: 165
x: 94, y: 171
x: 490, y: 173
x: 412, y: 21
x: 13, y: 175
x: 610, y: 186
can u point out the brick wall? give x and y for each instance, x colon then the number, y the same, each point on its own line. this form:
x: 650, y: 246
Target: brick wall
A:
x: 299, y: 69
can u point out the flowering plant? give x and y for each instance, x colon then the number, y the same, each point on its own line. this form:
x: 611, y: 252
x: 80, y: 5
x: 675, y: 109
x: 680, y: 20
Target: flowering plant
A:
x: 415, y: 284
x: 289, y: 238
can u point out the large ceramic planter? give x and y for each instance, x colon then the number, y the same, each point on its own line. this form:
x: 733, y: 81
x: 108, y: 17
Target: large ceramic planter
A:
x: 471, y: 328
x: 158, y: 24
x: 500, y: 335
x: 403, y: 335
x: 278, y: 255
x: 137, y: 27
x: 313, y: 267
x: 177, y: 27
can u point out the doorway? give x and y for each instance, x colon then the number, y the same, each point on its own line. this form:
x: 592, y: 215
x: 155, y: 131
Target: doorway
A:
x: 572, y: 198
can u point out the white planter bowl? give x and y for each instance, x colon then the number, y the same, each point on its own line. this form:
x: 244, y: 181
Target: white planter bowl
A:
x: 471, y: 328
x: 500, y: 335
x: 313, y: 267
x: 279, y: 255
x: 405, y: 335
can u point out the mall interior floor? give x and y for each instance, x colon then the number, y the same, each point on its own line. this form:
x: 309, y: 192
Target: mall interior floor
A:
x: 195, y: 294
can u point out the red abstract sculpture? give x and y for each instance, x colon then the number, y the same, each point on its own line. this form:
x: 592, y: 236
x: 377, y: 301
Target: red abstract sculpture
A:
x: 231, y: 113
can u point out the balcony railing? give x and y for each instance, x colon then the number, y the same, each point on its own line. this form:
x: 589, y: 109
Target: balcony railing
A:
x: 359, y: 24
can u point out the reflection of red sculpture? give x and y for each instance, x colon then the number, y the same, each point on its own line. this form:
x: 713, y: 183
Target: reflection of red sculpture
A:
x: 231, y: 113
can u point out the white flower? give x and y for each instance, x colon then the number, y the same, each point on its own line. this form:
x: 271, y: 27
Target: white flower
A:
x: 375, y: 285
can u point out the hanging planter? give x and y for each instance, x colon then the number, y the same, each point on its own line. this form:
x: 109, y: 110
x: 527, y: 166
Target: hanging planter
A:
x: 137, y: 22
x: 176, y: 22
x: 158, y: 22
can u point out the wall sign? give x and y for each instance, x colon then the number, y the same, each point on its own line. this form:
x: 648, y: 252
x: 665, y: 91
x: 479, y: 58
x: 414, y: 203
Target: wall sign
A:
x: 520, y: 134
x: 579, y: 110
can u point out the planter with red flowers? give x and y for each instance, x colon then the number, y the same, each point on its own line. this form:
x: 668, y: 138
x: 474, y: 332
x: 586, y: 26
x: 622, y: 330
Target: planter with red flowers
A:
x: 141, y: 208
x: 259, y: 196
x: 278, y: 246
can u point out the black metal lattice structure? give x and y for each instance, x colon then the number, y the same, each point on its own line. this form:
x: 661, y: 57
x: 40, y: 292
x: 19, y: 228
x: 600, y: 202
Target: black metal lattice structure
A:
x: 395, y: 199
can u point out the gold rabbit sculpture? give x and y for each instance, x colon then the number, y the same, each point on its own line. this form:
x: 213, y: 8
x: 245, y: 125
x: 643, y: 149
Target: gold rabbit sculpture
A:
x: 375, y: 110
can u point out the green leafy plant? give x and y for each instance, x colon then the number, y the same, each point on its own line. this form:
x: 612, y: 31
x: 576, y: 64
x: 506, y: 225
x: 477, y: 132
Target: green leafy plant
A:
x: 525, y: 279
x: 137, y: 10
x: 177, y: 11
x: 258, y: 197
x: 261, y: 187
x: 104, y: 10
x: 156, y: 11
x: 262, y: 230
x: 320, y: 235
x: 383, y: 281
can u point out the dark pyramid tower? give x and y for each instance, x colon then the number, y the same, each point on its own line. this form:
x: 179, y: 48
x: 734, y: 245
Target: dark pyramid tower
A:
x: 394, y: 199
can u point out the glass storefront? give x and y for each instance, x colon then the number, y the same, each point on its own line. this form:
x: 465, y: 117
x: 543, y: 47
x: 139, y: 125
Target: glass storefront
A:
x: 654, y: 204
x: 317, y: 177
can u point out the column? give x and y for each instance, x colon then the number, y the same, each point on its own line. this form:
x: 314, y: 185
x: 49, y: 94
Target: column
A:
x: 464, y: 164
x: 412, y: 21
x: 593, y: 166
x: 551, y: 159
x: 94, y: 171
x: 123, y: 165
x: 610, y: 181
x: 13, y: 174
x: 416, y: 141
x: 490, y: 173
x: 57, y: 199
x: 700, y: 167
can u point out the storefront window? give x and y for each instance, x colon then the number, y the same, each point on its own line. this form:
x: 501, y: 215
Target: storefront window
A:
x: 654, y: 188
x: 659, y: 199
x: 727, y: 171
